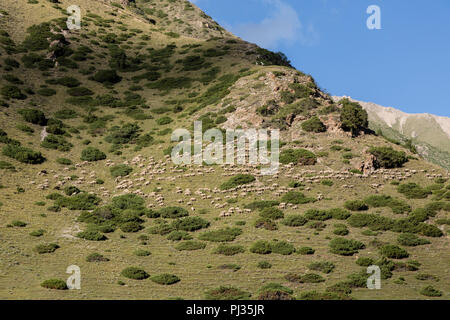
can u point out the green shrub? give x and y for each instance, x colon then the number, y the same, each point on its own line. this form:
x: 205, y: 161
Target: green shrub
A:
x: 173, y: 212
x: 393, y: 252
x: 46, y: 248
x: 164, y: 120
x: 165, y: 279
x: 261, y: 247
x: 340, y: 230
x: 316, y: 214
x: 96, y: 257
x: 298, y: 156
x: 387, y: 157
x: 364, y: 261
x: 261, y: 204
x: 322, y: 266
x: 345, y: 247
x: 264, y: 265
x: 33, y: 116
x: 107, y: 77
x: 134, y: 273
x: 179, y: 235
x: 37, y: 233
x: 56, y: 143
x: 23, y: 154
x: 229, y: 250
x: 266, y: 223
x: 356, y: 205
x: 374, y: 222
x: 237, y: 180
x: 120, y: 170
x: 190, y: 245
x: 294, y: 220
x: 12, y: 92
x: 79, y: 92
x: 91, y: 235
x: 128, y: 201
x: 92, y: 154
x: 314, y: 125
x: 56, y: 284
x: 80, y: 201
x: 378, y: 201
x: 353, y: 117
x: 296, y: 198
x: 339, y: 214
x: 305, y: 251
x: 430, y: 230
x: 221, y: 235
x: 413, y: 191
x: 226, y: 293
x: 131, y: 226
x: 411, y: 240
x: 275, y: 291
x: 64, y: 161
x: 282, y: 247
x: 128, y: 133
x: 271, y: 213
x: 18, y: 223
x: 430, y: 291
x: 142, y: 253
x: 328, y: 183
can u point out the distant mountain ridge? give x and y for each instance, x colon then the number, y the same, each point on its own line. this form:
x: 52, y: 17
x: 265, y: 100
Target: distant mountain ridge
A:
x: 429, y: 133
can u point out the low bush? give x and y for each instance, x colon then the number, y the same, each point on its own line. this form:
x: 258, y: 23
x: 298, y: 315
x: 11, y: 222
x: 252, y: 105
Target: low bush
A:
x: 387, y: 157
x: 322, y: 266
x: 120, y: 170
x: 226, y: 293
x: 345, y: 247
x: 165, y: 279
x: 271, y: 213
x: 22, y: 154
x: 96, y: 257
x: 413, y: 191
x: 134, y: 273
x: 142, y: 253
x: 296, y: 198
x: 411, y: 240
x: 92, y: 154
x: 64, y: 161
x: 91, y: 235
x: 282, y: 247
x: 33, y: 116
x: 364, y: 261
x: 316, y: 214
x: 190, y: 245
x: 56, y: 143
x: 314, y: 125
x: 393, y: 252
x: 298, y: 156
x: 264, y: 265
x: 46, y: 248
x: 237, y: 180
x: 12, y: 92
x: 294, y: 220
x: 107, y: 77
x: 229, y: 250
x: 173, y: 212
x: 430, y: 291
x: 261, y: 204
x: 56, y: 284
x: 339, y: 214
x: 179, y: 235
x: 356, y: 205
x: 222, y: 235
x: 265, y: 223
x: 305, y: 251
x: 261, y: 247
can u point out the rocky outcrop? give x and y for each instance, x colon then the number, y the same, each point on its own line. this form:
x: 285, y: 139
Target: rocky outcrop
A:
x: 368, y: 164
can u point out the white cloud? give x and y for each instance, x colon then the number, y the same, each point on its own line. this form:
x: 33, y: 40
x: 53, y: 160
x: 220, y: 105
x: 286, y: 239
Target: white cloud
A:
x: 283, y: 25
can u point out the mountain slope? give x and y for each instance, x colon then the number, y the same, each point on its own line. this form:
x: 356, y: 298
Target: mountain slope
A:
x: 430, y: 133
x: 86, y: 118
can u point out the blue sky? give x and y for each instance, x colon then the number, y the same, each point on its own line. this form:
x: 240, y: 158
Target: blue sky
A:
x: 405, y: 65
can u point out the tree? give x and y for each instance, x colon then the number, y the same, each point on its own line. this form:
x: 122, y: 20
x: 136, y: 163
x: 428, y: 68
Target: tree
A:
x: 353, y: 117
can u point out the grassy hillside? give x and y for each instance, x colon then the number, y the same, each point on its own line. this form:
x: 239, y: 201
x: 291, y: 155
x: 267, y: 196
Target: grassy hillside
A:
x: 86, y: 177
